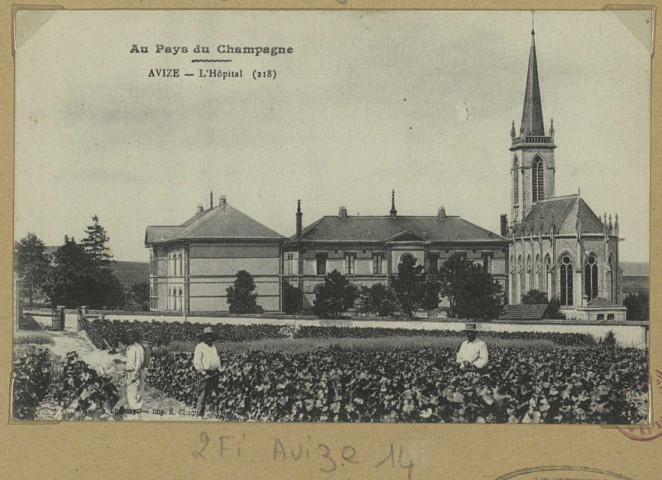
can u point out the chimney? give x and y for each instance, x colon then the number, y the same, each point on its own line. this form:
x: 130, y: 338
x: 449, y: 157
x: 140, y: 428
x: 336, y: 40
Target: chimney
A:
x: 393, y: 211
x: 211, y: 199
x: 223, y: 201
x: 299, y: 219
x: 200, y: 208
x: 342, y: 213
x: 504, y: 225
x: 441, y: 214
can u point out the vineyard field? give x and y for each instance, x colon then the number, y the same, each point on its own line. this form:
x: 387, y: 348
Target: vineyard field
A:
x: 519, y: 385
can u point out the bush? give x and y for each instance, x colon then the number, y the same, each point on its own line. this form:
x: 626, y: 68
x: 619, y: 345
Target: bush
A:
x: 379, y: 300
x: 31, y: 379
x: 333, y: 298
x: 292, y: 299
x: 241, y: 298
x: 638, y: 306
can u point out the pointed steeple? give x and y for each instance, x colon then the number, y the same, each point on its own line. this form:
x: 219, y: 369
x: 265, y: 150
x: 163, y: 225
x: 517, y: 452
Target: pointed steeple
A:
x: 532, y: 122
x: 393, y: 211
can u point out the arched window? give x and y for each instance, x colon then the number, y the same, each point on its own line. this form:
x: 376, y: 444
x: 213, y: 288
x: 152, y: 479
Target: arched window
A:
x: 591, y: 277
x: 538, y: 274
x: 522, y: 276
x: 181, y: 264
x: 610, y: 279
x: 538, y: 179
x: 529, y: 272
x: 546, y: 285
x: 513, y: 279
x: 566, y: 280
x: 516, y: 181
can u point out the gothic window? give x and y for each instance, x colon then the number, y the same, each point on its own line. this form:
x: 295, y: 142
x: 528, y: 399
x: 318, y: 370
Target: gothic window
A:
x: 516, y: 181
x: 513, y: 277
x: 538, y: 274
x: 610, y: 278
x: 529, y: 273
x: 591, y: 277
x: 522, y: 277
x: 538, y: 179
x: 566, y: 280
x: 546, y: 287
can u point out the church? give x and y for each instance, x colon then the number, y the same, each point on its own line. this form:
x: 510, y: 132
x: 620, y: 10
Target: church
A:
x: 558, y: 245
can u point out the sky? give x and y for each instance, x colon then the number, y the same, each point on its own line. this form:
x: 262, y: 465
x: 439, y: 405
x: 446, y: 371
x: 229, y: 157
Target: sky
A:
x: 367, y: 102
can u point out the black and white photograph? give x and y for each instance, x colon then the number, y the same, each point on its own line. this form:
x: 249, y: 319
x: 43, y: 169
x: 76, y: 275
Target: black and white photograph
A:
x: 332, y: 216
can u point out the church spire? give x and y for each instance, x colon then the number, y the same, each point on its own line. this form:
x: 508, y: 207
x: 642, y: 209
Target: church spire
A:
x: 532, y: 122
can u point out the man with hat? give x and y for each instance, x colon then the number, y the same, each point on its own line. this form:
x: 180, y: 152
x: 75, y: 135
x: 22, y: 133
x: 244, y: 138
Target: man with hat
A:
x: 473, y: 352
x: 207, y: 364
x: 134, y: 369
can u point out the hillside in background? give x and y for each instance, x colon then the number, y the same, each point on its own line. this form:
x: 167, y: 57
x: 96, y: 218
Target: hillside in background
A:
x: 635, y: 277
x: 129, y: 273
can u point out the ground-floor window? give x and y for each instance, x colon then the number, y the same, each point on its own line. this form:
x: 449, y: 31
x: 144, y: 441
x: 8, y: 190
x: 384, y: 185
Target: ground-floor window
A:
x: 566, y: 281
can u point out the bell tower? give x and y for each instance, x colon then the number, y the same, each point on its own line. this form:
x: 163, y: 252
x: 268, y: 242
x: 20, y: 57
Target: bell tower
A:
x: 532, y: 152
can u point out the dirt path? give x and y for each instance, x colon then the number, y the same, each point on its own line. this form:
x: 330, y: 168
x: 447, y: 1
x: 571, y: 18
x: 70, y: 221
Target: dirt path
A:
x: 157, y: 406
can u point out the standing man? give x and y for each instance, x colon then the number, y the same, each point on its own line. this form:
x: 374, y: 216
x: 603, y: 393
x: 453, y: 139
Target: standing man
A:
x: 134, y: 372
x: 207, y: 364
x: 473, y: 352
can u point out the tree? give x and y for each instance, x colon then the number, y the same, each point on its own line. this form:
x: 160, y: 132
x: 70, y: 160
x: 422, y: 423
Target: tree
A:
x: 410, y: 285
x: 637, y: 305
x: 75, y: 280
x: 138, y: 297
x: 95, y: 244
x: 378, y: 299
x: 240, y: 296
x: 333, y: 298
x: 32, y: 266
x: 292, y: 297
x: 534, y: 297
x: 471, y: 291
x: 72, y: 279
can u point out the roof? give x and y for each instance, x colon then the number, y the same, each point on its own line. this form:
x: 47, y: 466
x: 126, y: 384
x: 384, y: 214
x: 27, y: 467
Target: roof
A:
x: 217, y: 223
x: 562, y: 213
x: 380, y: 229
x: 524, y: 312
x: 532, y: 121
x: 602, y: 302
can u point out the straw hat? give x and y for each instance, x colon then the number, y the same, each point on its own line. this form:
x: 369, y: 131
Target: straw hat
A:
x: 471, y: 327
x: 208, y: 331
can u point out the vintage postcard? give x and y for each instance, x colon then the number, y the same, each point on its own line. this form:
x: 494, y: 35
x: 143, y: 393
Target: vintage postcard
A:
x: 305, y: 217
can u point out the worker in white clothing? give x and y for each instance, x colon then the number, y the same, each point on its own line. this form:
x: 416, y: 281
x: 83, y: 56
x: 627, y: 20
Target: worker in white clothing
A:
x: 473, y: 352
x: 134, y: 372
x: 208, y: 365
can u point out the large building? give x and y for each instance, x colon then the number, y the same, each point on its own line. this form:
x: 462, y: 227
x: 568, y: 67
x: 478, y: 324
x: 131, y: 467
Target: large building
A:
x: 368, y: 249
x: 557, y: 244
x: 192, y: 264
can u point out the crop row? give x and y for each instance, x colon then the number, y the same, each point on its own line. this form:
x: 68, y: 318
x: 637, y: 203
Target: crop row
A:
x: 551, y: 385
x: 77, y: 390
x: 106, y: 333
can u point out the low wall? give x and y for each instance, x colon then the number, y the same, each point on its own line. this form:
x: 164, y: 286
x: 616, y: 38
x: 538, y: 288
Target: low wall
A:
x: 627, y: 334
